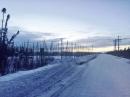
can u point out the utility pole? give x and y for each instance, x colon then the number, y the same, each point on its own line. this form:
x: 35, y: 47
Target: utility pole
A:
x: 72, y: 50
x: 75, y: 50
x: 115, y: 43
x: 118, y: 42
x: 61, y: 47
x: 66, y: 49
x: 92, y: 48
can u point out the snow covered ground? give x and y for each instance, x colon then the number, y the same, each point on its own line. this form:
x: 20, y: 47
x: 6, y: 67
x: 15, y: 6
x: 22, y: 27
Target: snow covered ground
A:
x: 23, y: 73
x: 104, y: 76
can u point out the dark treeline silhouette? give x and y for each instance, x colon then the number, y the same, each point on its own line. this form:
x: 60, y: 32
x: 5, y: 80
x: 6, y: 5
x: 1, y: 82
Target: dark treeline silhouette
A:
x: 30, y: 55
x: 121, y: 53
x: 6, y: 44
x: 14, y: 58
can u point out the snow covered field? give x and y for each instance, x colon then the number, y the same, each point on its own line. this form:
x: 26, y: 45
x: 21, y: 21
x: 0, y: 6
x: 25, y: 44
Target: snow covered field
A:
x: 104, y: 76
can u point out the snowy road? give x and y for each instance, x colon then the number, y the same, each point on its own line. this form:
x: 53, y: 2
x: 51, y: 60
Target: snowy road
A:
x: 105, y: 76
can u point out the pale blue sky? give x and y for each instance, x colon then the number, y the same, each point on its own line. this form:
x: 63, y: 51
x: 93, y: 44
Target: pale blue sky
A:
x: 72, y: 19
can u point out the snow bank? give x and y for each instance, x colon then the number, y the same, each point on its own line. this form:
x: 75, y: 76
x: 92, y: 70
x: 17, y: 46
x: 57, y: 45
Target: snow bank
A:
x: 48, y: 81
x: 22, y: 73
x: 85, y: 59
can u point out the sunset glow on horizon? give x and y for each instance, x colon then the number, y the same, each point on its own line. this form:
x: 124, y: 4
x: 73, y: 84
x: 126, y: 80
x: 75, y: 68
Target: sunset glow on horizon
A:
x: 69, y: 19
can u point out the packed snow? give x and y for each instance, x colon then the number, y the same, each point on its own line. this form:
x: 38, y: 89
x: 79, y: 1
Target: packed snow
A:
x: 106, y: 76
x: 23, y: 73
x: 85, y: 76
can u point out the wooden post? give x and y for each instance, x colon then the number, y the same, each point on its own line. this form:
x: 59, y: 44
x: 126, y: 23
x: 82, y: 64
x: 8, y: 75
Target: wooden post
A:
x: 61, y: 48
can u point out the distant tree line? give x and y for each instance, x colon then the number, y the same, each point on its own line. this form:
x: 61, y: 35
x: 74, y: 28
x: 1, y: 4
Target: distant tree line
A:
x: 25, y: 57
x: 121, y: 53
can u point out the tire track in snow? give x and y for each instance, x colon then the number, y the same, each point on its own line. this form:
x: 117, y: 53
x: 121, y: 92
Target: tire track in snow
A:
x: 25, y: 85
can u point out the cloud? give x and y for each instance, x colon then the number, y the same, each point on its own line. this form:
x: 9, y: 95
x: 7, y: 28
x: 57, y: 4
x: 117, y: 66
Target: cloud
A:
x: 28, y: 35
x: 80, y: 37
x: 102, y: 41
x: 97, y: 41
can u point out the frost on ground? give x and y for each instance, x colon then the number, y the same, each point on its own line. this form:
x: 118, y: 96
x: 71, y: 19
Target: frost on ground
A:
x: 105, y: 76
x: 46, y: 80
x: 23, y: 73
